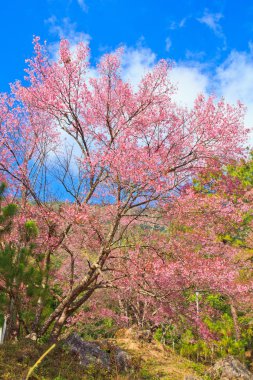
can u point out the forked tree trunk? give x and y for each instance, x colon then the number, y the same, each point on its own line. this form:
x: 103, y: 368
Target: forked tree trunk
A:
x: 57, y: 329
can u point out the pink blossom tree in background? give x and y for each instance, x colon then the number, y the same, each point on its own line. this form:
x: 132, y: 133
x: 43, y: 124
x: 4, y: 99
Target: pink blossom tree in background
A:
x: 187, y: 250
x: 116, y: 154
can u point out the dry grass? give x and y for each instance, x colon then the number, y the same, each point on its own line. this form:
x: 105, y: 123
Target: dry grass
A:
x: 151, y: 362
x: 157, y: 362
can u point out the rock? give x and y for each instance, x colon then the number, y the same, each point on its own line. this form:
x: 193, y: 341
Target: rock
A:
x: 229, y: 368
x: 103, y: 354
x: 122, y: 360
x: 88, y: 352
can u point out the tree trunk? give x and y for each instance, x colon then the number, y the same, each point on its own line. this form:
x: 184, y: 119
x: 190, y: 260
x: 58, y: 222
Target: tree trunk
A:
x: 12, y: 324
x: 56, y: 331
x: 235, y: 319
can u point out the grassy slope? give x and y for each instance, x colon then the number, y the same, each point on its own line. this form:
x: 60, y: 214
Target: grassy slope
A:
x: 152, y: 362
x: 158, y: 362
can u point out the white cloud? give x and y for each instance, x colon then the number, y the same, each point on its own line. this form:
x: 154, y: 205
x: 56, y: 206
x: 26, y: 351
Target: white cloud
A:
x: 212, y: 21
x: 83, y: 5
x: 65, y: 29
x: 177, y: 25
x: 190, y: 82
x: 167, y: 44
x: 136, y: 63
x: 194, y: 55
x: 234, y: 81
x: 235, y: 76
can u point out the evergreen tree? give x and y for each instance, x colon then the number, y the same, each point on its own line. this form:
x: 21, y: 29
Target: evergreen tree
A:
x: 20, y: 278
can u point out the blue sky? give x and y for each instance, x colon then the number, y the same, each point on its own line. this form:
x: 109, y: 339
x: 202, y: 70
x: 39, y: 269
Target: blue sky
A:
x: 211, y: 41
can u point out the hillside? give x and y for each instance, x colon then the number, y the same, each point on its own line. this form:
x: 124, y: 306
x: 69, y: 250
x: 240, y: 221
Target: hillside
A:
x: 151, y: 361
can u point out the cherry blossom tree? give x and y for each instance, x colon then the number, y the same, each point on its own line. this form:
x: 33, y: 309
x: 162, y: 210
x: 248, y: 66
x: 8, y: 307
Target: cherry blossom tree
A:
x: 191, y: 250
x: 90, y: 156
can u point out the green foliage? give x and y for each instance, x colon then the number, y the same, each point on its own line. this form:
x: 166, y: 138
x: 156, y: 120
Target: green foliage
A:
x: 7, y: 212
x: 243, y: 171
x: 167, y: 334
x: 188, y: 342
x: 31, y: 229
x: 146, y: 375
x: 217, y: 302
x: 226, y: 342
x: 207, y: 351
x: 98, y: 329
x: 20, y: 269
x: 192, y: 348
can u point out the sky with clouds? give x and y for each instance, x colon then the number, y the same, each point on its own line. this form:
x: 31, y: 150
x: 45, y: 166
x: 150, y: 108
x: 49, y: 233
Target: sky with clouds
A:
x: 210, y: 41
